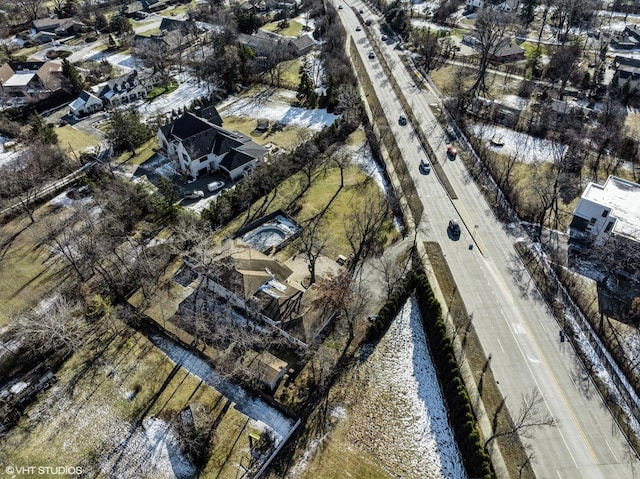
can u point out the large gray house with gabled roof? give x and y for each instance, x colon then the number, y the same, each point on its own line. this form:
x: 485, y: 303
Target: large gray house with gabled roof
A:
x: 203, y: 146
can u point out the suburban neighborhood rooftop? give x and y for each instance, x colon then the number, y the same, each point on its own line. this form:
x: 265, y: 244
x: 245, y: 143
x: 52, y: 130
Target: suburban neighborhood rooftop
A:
x: 623, y: 197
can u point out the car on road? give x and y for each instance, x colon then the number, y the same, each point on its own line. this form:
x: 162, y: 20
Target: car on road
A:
x: 358, y: 28
x: 368, y: 22
x: 194, y: 195
x: 402, y: 120
x: 454, y: 227
x: 452, y: 152
x: 384, y: 38
x: 361, y: 10
x: 339, y: 7
x: 215, y: 185
x: 451, y: 133
x: 425, y: 167
x: 371, y: 55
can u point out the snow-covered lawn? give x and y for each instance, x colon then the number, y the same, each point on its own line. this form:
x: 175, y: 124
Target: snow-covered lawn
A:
x: 528, y: 148
x: 189, y: 89
x: 394, y: 409
x: 277, y: 111
x: 7, y: 156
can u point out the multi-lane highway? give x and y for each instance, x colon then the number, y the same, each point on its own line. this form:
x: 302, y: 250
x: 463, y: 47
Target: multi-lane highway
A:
x: 512, y: 322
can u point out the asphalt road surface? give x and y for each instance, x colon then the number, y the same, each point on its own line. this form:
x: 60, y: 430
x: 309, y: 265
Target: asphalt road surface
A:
x: 513, y: 323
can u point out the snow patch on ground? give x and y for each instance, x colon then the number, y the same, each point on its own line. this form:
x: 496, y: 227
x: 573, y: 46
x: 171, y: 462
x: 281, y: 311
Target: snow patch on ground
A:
x: 404, y: 420
x: 252, y: 407
x: 189, y: 89
x: 7, y: 156
x: 150, y: 450
x: 528, y: 148
x: 279, y: 111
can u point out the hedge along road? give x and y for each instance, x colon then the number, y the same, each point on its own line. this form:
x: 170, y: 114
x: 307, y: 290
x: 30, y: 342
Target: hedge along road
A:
x: 513, y: 324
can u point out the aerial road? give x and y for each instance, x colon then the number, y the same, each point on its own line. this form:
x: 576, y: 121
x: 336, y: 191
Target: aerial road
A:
x: 513, y: 323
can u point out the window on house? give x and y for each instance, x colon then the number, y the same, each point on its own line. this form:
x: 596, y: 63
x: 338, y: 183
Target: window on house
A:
x: 605, y: 213
x: 592, y: 221
x: 609, y: 227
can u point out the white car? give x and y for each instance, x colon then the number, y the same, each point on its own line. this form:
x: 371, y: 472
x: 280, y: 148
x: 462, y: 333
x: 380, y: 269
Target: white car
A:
x: 215, y: 185
x: 194, y: 195
x: 425, y: 167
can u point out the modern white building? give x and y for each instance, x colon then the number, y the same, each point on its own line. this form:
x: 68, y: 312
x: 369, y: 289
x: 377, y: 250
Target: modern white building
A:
x: 612, y: 208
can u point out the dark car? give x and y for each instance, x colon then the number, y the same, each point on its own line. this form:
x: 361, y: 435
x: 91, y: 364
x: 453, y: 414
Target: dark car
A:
x: 339, y: 7
x: 358, y: 28
x: 454, y: 227
x: 402, y: 120
x: 361, y: 10
x: 371, y: 56
x: 384, y: 38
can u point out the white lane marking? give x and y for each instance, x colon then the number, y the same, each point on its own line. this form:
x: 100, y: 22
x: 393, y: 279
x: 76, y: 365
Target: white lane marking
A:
x: 518, y: 328
x: 500, y: 344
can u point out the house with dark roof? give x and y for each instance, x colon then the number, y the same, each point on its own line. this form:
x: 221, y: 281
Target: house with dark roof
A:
x: 60, y: 26
x: 629, y: 39
x: 507, y: 52
x: 132, y: 8
x: 173, y: 24
x: 202, y: 146
x: 262, y: 43
x: 627, y: 70
x: 32, y: 81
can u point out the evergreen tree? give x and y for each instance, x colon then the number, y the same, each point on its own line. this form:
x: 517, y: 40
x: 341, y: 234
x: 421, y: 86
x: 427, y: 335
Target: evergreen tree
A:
x: 126, y: 131
x: 43, y: 131
x: 101, y: 23
x: 306, y: 94
x: 528, y: 11
x: 75, y: 83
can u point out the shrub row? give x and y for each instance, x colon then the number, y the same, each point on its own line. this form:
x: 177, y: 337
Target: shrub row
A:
x: 463, y: 422
x: 476, y: 460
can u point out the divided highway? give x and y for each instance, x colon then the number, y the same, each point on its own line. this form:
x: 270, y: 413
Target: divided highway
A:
x: 513, y: 323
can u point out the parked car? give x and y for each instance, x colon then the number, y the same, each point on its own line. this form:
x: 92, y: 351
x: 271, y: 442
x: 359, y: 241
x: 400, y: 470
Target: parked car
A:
x: 371, y: 56
x: 361, y: 10
x: 339, y: 7
x: 454, y: 227
x: 384, y: 38
x: 368, y: 22
x: 402, y: 120
x: 425, y: 167
x: 452, y: 152
x: 358, y: 28
x: 194, y: 195
x: 215, y: 185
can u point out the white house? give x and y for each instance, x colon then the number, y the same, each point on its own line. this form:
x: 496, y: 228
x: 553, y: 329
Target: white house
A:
x: 202, y: 146
x: 612, y: 208
x: 86, y: 104
x: 504, y: 5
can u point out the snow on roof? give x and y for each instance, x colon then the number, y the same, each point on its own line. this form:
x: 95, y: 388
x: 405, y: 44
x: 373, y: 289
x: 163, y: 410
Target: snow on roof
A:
x: 20, y: 79
x: 623, y: 197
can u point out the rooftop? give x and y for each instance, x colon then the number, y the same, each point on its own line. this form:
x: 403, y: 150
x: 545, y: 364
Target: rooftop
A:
x: 623, y: 197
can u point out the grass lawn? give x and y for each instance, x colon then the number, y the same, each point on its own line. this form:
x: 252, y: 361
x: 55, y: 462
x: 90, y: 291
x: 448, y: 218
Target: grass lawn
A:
x: 143, y: 153
x: 86, y: 416
x: 70, y: 138
x: 27, y: 271
x: 444, y: 80
x: 161, y: 90
x: 293, y: 30
x: 287, y: 138
x: 325, y: 183
x: 291, y: 72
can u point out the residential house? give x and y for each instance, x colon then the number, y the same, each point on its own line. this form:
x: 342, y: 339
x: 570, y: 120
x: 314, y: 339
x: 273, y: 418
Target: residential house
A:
x: 131, y: 9
x: 504, y: 5
x: 85, y: 104
x: 31, y: 81
x: 41, y: 38
x: 172, y: 24
x: 629, y: 39
x: 62, y: 27
x: 201, y: 147
x: 167, y: 41
x: 264, y: 367
x: 627, y: 71
x: 263, y: 43
x: 609, y: 209
x: 115, y: 92
x: 507, y: 52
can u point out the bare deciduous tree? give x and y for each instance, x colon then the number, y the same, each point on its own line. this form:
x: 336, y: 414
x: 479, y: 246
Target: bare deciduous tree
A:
x: 57, y: 325
x: 529, y: 417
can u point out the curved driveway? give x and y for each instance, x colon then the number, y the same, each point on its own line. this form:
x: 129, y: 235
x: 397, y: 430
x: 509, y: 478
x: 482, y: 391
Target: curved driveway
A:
x: 513, y: 323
